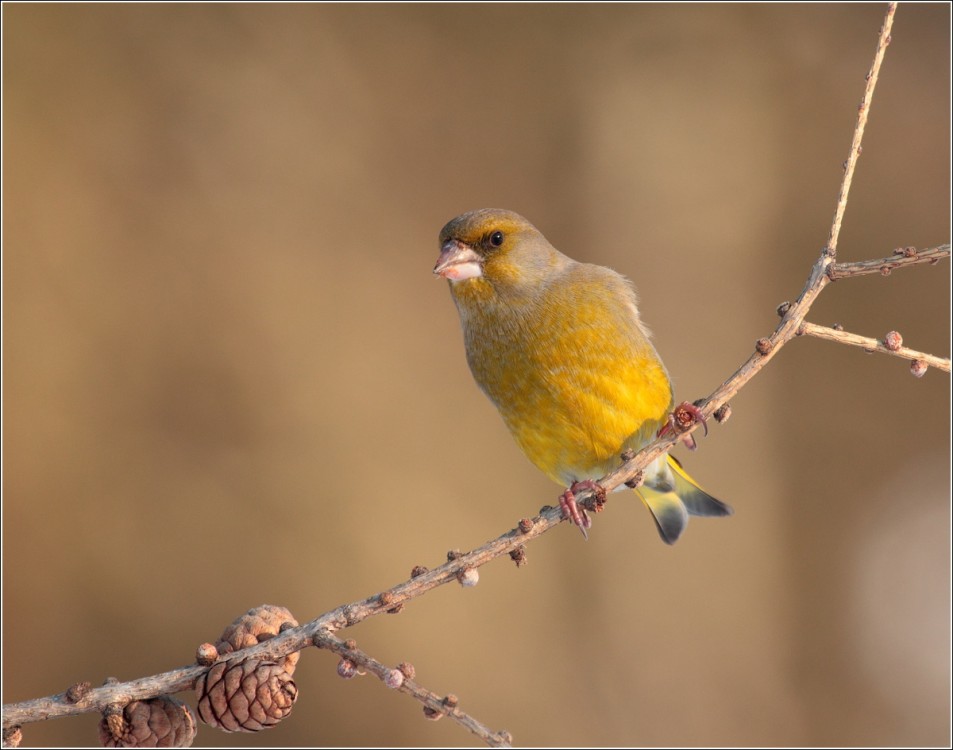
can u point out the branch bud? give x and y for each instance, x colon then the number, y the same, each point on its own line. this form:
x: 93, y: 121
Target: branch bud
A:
x: 432, y: 714
x: 347, y: 669
x: 893, y: 341
x: 206, y: 655
x: 468, y: 576
x: 451, y: 701
x: 76, y: 693
x: 394, y: 678
x: 518, y: 556
x: 722, y: 413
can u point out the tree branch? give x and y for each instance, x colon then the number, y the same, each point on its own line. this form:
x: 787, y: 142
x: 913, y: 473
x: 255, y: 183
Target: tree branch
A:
x: 864, y: 111
x: 400, y: 678
x: 872, y: 345
x: 902, y: 256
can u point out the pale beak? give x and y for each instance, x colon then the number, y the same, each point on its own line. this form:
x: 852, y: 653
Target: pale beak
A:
x: 458, y: 262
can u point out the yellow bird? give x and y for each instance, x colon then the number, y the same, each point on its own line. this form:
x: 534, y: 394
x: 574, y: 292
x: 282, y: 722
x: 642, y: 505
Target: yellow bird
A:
x: 560, y: 349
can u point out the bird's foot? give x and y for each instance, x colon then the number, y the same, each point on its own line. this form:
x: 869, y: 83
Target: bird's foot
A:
x: 684, y: 417
x: 572, y: 511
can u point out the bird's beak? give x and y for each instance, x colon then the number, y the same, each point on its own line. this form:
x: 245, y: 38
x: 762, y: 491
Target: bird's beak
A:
x: 458, y: 261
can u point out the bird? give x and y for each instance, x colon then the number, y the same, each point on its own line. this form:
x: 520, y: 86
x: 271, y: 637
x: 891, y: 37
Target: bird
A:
x: 560, y: 349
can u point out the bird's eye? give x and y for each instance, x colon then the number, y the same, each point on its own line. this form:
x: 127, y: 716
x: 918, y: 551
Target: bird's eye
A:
x: 496, y: 239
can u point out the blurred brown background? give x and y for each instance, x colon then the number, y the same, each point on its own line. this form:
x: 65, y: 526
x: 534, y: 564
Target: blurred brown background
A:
x: 230, y: 378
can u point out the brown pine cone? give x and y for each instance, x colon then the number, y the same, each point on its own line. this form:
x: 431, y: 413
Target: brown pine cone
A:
x: 257, y: 625
x: 157, y: 722
x: 245, y: 695
x: 12, y: 736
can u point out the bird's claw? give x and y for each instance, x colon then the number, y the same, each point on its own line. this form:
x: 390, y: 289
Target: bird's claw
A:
x: 571, y: 509
x: 684, y: 417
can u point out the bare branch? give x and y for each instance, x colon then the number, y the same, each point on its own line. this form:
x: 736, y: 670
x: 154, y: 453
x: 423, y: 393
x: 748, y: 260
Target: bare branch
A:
x: 902, y: 256
x: 862, y: 114
x: 871, y: 345
x: 434, y: 705
x: 97, y: 699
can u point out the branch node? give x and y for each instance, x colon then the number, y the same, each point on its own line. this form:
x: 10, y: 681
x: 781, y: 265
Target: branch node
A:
x: 893, y: 341
x: 206, y: 654
x: 393, y: 678
x: 347, y: 669
x: 350, y: 616
x: 518, y: 556
x: 468, y: 576
x: 636, y: 481
x: 597, y: 500
x: 684, y: 417
x: 723, y: 413
x: 76, y: 693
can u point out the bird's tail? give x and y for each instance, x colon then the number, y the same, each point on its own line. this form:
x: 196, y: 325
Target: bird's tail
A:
x: 673, y: 496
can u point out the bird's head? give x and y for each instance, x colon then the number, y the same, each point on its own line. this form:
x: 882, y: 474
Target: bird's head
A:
x: 494, y: 249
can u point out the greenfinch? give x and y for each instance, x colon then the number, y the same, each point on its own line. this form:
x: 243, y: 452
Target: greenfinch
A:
x: 560, y: 349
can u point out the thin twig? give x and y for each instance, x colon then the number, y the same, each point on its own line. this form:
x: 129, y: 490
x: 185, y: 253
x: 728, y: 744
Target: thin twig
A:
x: 862, y: 114
x: 903, y: 256
x: 437, y: 706
x: 97, y: 699
x: 871, y: 345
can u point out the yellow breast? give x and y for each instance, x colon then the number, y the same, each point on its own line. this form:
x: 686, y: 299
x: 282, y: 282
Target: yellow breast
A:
x: 570, y: 369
